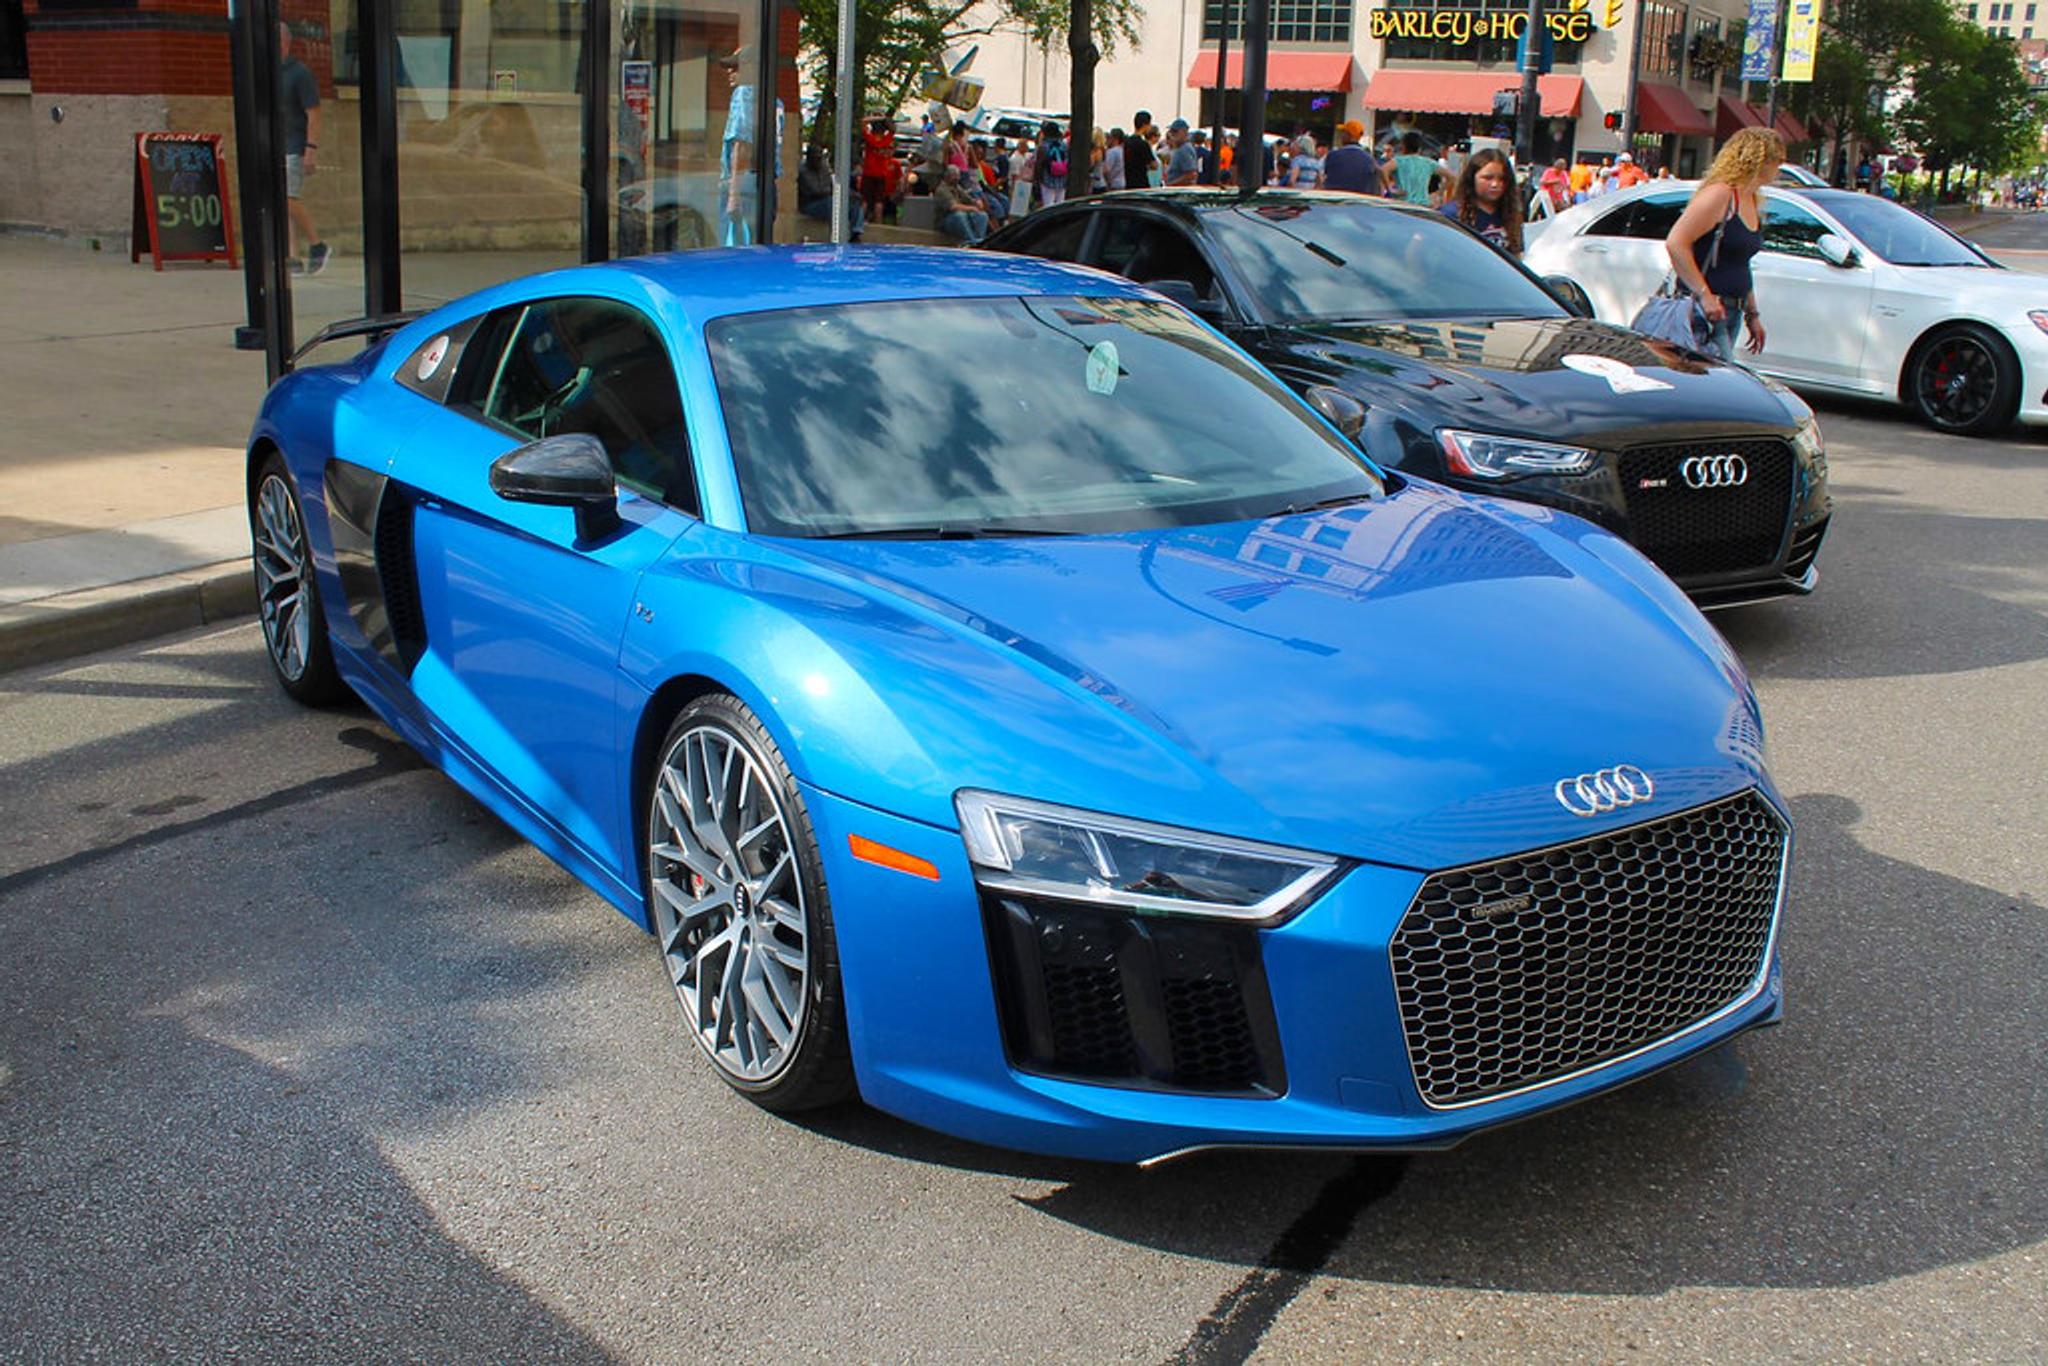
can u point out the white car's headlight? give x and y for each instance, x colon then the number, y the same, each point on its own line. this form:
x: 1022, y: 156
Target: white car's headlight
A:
x: 1040, y: 849
x: 1487, y: 456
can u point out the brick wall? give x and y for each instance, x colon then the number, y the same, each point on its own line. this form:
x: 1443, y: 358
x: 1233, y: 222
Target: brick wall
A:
x: 157, y: 47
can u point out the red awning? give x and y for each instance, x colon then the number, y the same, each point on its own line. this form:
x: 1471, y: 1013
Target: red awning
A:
x: 1284, y: 70
x: 1667, y: 109
x: 1789, y: 127
x: 1467, y: 92
x: 1731, y: 114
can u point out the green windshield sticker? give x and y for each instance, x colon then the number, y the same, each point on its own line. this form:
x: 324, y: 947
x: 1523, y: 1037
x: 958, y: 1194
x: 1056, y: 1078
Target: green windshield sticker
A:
x: 1102, y: 368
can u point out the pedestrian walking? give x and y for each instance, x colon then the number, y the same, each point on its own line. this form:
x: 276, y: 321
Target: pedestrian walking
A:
x: 1557, y: 185
x: 1113, y: 159
x: 1415, y: 173
x: 1138, y: 160
x: 298, y: 97
x: 1050, y: 171
x: 877, y: 163
x: 1098, y: 152
x: 1184, y: 159
x: 1305, y: 171
x: 1485, y: 201
x: 1350, y: 167
x: 1711, y: 244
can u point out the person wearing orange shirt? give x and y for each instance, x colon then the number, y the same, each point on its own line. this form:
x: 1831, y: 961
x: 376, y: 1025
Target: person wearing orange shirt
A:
x: 1627, y: 173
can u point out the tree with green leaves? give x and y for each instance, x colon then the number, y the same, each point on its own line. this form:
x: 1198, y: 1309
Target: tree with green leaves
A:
x: 1972, y: 103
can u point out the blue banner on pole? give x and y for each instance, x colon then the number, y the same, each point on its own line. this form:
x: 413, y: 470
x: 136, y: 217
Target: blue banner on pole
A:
x: 1760, y: 40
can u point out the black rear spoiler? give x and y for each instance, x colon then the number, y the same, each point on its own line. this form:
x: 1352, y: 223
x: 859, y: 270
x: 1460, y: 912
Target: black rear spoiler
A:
x: 378, y: 325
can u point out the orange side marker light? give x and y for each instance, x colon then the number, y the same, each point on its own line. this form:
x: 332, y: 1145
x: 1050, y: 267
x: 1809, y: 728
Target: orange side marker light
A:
x: 882, y: 856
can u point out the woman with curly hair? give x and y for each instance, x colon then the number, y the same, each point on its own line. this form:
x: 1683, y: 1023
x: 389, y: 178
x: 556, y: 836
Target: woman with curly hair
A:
x: 1485, y: 200
x: 1711, y: 244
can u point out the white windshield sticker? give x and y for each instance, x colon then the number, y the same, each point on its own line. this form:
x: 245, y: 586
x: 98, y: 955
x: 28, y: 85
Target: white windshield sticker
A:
x: 1102, y: 368
x: 431, y: 360
x: 1621, y: 377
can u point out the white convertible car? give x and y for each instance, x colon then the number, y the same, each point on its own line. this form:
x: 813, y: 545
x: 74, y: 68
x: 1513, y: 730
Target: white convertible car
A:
x: 1859, y: 296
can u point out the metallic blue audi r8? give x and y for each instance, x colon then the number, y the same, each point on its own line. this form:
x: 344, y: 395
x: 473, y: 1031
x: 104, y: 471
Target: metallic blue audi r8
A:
x: 1004, y: 700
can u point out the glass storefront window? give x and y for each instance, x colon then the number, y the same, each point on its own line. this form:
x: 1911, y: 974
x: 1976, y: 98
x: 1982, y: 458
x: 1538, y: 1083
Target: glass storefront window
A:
x: 326, y: 287
x: 490, y: 141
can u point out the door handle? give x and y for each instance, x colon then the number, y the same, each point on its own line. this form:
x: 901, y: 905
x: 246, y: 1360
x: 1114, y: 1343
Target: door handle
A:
x: 1594, y: 249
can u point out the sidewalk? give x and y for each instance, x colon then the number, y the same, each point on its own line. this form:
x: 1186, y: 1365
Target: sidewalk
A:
x: 125, y: 408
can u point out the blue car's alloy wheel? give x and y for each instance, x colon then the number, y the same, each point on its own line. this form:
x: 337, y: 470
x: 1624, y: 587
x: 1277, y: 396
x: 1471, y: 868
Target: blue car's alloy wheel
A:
x: 740, y: 911
x: 294, y: 632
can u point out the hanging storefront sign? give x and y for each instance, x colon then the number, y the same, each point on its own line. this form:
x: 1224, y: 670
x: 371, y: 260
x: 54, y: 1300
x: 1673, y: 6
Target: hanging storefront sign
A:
x: 1462, y: 27
x: 1760, y: 40
x: 1802, y: 35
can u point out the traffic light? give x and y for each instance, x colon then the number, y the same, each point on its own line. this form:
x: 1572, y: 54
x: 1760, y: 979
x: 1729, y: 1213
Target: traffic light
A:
x: 1610, y: 13
x: 1614, y: 119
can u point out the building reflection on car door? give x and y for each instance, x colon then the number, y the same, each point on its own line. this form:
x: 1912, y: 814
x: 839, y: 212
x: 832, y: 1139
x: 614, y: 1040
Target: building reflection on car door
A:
x: 523, y: 618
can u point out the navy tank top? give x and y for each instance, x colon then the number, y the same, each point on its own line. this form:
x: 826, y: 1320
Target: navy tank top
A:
x: 1730, y: 273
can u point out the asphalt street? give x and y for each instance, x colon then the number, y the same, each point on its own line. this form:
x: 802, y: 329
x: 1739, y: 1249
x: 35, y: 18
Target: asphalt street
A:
x: 302, y: 1054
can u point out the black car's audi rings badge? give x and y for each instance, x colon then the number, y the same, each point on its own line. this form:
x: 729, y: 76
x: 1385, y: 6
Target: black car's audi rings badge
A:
x: 1610, y: 789
x: 1714, y: 471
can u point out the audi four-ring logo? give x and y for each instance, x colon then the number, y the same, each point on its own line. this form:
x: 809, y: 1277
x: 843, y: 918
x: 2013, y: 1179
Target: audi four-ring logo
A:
x: 1610, y: 789
x: 1714, y: 471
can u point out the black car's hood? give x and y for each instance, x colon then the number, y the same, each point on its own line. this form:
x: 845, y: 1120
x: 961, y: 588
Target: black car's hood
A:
x: 1565, y: 378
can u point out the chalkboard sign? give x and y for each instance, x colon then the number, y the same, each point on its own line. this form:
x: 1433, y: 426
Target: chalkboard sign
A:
x: 181, y: 199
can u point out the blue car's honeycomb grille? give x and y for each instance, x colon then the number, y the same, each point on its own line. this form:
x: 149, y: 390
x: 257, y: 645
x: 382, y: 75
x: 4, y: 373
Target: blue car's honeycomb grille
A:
x: 1689, y: 532
x: 1522, y: 971
x: 1159, y: 1003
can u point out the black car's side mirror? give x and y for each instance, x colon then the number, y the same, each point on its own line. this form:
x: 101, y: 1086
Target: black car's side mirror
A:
x: 1208, y: 308
x: 572, y: 470
x: 1570, y: 295
x: 1345, y: 413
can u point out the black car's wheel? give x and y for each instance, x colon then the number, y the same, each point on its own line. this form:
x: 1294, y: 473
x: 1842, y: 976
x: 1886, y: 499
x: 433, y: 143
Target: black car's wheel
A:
x: 294, y: 629
x: 1964, y: 379
x: 740, y: 912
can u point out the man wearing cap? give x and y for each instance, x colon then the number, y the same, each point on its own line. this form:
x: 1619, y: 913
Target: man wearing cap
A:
x: 736, y: 195
x: 1349, y: 166
x: 959, y: 211
x: 1627, y: 173
x: 1184, y: 160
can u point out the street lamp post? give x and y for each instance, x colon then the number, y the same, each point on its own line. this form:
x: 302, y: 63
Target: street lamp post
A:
x: 1532, y: 63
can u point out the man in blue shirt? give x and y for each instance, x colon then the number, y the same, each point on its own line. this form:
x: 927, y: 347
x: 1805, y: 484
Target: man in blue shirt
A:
x: 736, y: 194
x: 1350, y: 167
x: 298, y: 98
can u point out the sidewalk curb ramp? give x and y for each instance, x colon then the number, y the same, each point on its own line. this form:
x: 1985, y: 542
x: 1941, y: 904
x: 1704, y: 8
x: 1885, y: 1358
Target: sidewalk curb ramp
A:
x: 95, y: 619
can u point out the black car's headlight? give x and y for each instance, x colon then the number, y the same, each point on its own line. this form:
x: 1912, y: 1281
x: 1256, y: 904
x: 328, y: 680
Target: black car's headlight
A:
x: 1055, y: 851
x: 1486, y: 456
x: 1807, y: 442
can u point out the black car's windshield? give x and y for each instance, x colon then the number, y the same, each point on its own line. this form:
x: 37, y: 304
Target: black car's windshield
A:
x: 949, y: 417
x: 1898, y: 235
x: 1309, y: 261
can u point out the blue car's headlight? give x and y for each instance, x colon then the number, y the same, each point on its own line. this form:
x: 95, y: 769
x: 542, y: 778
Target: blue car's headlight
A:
x: 1485, y: 456
x: 1036, y: 848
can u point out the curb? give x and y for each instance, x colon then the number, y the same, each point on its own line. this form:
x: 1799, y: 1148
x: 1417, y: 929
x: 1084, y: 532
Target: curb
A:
x: 123, y: 613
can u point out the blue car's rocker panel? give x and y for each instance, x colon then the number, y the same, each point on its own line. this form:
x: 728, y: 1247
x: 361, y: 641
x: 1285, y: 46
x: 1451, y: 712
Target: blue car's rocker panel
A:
x: 1078, y: 767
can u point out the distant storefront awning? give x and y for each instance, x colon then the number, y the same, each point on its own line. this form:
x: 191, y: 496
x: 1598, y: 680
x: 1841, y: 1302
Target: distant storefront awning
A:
x: 1284, y: 71
x: 1667, y: 109
x: 1467, y: 92
x: 1731, y: 115
x: 1789, y: 127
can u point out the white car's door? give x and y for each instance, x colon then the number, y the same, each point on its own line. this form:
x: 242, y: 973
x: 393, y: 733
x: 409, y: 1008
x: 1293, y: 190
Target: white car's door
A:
x: 1816, y: 315
x: 1619, y: 258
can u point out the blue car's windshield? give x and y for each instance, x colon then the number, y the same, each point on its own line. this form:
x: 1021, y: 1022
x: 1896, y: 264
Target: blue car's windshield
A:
x: 1011, y: 416
x: 1308, y: 261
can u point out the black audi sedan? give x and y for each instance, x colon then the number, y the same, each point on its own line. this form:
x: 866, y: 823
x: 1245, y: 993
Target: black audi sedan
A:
x: 1471, y: 372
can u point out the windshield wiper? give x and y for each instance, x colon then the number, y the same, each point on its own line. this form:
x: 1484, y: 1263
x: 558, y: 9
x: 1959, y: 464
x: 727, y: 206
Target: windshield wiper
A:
x: 1341, y: 500
x: 965, y: 531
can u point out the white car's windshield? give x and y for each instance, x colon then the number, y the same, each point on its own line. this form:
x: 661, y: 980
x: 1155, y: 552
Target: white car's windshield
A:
x: 1898, y: 235
x: 1012, y: 416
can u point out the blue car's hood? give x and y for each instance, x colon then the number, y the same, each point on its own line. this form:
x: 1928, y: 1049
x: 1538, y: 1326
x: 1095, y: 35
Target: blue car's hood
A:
x: 1404, y: 681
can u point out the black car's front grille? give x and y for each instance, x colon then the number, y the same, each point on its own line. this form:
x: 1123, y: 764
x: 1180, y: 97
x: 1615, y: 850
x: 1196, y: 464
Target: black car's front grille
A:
x: 1805, y: 545
x: 1692, y: 532
x: 1162, y: 1003
x: 1522, y: 971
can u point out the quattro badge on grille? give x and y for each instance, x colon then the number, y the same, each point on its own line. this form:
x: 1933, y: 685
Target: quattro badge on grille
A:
x: 1608, y: 789
x: 1714, y: 471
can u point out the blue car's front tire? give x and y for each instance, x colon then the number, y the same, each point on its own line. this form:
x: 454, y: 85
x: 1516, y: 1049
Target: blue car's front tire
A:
x: 737, y: 899
x: 287, y: 600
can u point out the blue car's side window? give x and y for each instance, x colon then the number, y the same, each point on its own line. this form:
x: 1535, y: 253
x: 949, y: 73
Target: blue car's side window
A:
x: 594, y: 366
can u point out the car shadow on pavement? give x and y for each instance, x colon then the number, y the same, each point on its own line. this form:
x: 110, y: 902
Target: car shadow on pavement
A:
x: 1895, y: 1124
x: 1964, y: 600
x: 203, y: 1058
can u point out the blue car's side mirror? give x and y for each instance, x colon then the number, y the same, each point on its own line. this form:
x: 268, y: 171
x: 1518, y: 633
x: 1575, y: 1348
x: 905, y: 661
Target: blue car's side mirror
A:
x: 572, y: 470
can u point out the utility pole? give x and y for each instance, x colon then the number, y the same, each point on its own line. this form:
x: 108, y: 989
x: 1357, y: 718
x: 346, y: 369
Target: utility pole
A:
x: 1215, y: 172
x: 1635, y: 76
x: 1251, y: 133
x: 843, y: 124
x: 1532, y: 63
x: 1777, y: 66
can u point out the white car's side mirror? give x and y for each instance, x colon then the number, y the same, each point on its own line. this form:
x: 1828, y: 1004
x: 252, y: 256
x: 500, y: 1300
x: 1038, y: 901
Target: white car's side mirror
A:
x: 1835, y: 250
